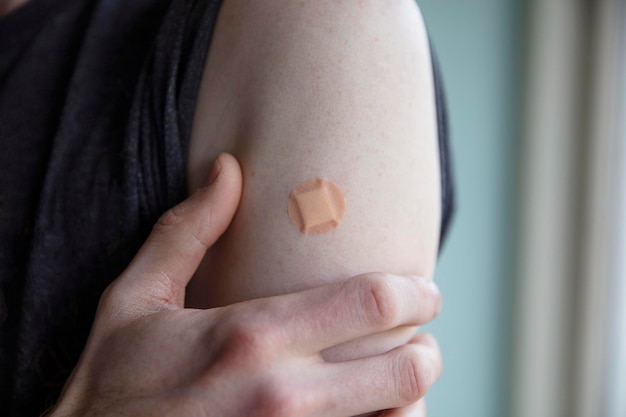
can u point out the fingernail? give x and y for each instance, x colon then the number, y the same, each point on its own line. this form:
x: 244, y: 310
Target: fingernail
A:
x: 429, y: 283
x: 429, y: 339
x: 434, y: 287
x: 215, y: 172
x: 437, y: 292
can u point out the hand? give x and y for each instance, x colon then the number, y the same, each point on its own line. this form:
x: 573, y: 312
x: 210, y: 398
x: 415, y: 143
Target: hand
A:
x: 148, y: 355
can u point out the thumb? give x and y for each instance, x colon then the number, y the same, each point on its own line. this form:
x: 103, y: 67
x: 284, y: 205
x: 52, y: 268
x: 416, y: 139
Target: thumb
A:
x: 417, y: 409
x: 157, y: 276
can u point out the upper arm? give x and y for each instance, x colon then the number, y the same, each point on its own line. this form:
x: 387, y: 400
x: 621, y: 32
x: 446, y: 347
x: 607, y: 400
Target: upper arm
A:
x: 341, y: 90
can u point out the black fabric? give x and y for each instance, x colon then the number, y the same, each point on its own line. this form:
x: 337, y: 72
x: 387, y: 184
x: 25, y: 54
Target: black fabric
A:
x: 445, y: 161
x: 96, y: 100
x: 96, y: 105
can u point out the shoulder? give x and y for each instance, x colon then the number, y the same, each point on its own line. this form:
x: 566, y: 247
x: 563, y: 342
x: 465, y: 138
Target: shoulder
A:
x: 332, y: 9
x: 324, y: 23
x: 318, y: 63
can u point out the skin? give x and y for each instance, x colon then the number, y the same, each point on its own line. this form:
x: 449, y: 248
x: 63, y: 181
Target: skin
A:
x: 7, y: 6
x: 147, y: 355
x: 340, y: 90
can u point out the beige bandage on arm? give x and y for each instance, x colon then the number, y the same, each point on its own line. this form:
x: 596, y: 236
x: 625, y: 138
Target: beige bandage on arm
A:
x: 316, y: 206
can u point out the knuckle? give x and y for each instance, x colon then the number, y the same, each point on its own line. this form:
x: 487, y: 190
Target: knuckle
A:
x: 171, y: 217
x: 168, y: 221
x: 379, y: 301
x: 252, y: 341
x: 413, y: 374
x: 114, y: 304
x: 110, y: 298
x: 278, y: 399
x: 196, y: 223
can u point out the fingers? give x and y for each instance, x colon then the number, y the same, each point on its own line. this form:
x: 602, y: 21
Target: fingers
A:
x: 168, y: 259
x: 371, y: 303
x: 417, y: 409
x: 396, y: 379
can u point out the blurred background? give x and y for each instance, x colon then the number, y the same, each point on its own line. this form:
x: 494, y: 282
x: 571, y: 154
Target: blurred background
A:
x: 534, y: 270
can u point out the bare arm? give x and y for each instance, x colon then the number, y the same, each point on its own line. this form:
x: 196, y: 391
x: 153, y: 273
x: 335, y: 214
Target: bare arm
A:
x: 340, y: 90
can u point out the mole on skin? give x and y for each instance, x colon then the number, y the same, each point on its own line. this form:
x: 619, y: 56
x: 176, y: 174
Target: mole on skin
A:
x: 316, y: 206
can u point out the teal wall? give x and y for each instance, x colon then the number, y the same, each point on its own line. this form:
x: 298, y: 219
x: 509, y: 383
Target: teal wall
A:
x: 478, y: 44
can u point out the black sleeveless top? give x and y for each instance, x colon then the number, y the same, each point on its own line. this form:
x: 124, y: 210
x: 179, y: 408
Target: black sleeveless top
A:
x: 96, y: 107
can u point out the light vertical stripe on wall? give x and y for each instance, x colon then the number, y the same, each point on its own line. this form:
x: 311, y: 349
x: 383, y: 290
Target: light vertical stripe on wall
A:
x: 550, y: 195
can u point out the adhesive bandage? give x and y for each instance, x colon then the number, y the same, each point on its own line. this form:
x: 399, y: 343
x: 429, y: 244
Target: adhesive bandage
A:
x: 316, y: 206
